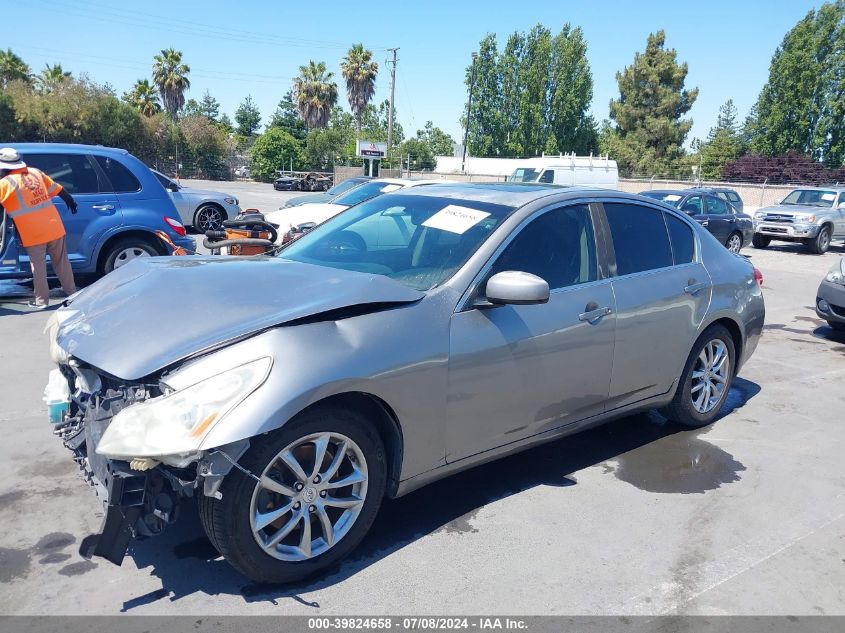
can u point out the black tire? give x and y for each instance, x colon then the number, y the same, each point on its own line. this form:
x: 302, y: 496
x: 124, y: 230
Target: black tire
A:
x: 209, y: 217
x: 761, y: 241
x: 681, y: 409
x: 821, y: 242
x: 839, y: 327
x: 227, y: 520
x: 735, y: 234
x: 120, y: 249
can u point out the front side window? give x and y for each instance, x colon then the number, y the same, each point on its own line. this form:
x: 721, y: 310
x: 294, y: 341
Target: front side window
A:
x: 693, y: 205
x: 74, y: 172
x: 419, y: 241
x: 524, y: 174
x: 811, y: 197
x: 717, y: 206
x: 559, y: 247
x: 547, y: 176
x: 121, y: 178
x: 639, y: 236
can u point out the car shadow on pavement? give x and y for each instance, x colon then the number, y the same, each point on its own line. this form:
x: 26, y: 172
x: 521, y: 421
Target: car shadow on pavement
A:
x: 186, y: 562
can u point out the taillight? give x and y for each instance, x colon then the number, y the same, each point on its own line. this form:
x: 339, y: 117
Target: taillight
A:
x: 758, y: 277
x: 176, y: 225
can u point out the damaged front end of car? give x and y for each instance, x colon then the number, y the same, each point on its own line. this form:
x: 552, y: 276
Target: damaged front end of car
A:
x: 137, y: 443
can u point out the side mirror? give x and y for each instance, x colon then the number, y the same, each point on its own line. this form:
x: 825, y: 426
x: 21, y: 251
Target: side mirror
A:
x: 173, y: 187
x: 512, y: 287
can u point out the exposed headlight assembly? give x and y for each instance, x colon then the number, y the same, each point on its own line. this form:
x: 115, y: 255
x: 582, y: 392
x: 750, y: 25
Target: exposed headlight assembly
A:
x: 836, y: 274
x: 231, y: 201
x: 177, y: 423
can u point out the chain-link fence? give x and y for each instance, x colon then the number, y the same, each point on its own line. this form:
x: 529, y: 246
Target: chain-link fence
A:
x: 754, y: 195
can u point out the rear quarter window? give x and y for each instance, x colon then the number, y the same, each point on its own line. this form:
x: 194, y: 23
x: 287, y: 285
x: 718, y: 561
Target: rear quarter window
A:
x: 682, y: 239
x: 123, y: 180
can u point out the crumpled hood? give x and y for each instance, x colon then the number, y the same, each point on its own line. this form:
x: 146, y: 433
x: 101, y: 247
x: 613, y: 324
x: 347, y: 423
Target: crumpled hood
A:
x: 155, y: 311
x: 792, y: 209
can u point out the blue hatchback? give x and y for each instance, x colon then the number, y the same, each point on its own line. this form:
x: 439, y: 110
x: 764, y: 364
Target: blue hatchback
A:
x: 121, y: 206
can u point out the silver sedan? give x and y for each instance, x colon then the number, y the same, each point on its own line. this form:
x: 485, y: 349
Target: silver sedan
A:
x: 414, y: 335
x: 204, y: 210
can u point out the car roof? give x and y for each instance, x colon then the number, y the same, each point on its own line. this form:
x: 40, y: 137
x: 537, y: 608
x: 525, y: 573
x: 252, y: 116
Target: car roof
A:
x: 837, y: 188
x: 66, y: 148
x: 507, y: 193
x: 709, y: 189
x: 676, y: 192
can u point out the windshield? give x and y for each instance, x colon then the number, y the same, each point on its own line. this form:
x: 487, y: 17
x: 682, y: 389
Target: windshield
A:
x: 671, y: 198
x: 811, y: 197
x: 346, y: 185
x: 365, y: 192
x: 524, y: 174
x: 419, y: 241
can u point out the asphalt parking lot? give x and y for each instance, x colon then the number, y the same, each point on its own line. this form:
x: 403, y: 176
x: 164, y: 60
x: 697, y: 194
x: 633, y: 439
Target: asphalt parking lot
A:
x: 746, y: 516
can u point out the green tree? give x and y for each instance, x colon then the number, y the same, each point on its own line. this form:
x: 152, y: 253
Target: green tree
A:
x: 287, y: 118
x: 486, y: 129
x: 170, y: 75
x: 225, y: 124
x: 143, y: 98
x: 649, y: 131
x: 273, y: 151
x: 205, y: 147
x: 360, y: 72
x: 247, y: 117
x: 724, y: 143
x: 51, y: 77
x: 13, y: 68
x: 315, y: 94
x: 802, y: 105
x: 570, y: 93
x: 336, y: 140
x: 438, y: 141
x: 418, y: 154
x: 209, y: 107
x: 533, y: 78
x: 191, y: 108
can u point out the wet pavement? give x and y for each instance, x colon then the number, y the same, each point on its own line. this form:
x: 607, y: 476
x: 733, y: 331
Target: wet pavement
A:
x: 637, y: 516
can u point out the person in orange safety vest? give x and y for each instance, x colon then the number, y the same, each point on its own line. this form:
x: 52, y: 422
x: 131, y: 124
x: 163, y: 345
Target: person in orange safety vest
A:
x: 26, y: 196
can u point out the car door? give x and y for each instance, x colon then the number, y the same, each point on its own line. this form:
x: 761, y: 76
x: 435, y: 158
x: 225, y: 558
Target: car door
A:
x: 9, y: 250
x: 720, y: 221
x: 519, y: 370
x: 839, y: 216
x: 98, y: 206
x: 662, y: 292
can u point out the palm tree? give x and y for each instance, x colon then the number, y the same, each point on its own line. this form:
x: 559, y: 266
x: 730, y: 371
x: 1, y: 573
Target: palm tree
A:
x: 12, y: 67
x: 51, y: 77
x: 170, y: 76
x: 360, y: 72
x: 315, y: 94
x: 143, y: 97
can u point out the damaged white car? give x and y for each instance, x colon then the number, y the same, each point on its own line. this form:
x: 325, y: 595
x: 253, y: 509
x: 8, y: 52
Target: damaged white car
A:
x: 416, y: 334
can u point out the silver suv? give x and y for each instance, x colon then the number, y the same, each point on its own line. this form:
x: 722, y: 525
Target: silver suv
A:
x: 810, y: 215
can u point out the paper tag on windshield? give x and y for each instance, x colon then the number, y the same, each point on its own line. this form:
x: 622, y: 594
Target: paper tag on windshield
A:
x: 672, y: 198
x: 828, y: 197
x: 455, y: 219
x: 389, y: 188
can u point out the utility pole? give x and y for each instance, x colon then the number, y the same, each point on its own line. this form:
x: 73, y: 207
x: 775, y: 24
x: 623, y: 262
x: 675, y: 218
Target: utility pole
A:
x: 392, y: 93
x: 469, y: 110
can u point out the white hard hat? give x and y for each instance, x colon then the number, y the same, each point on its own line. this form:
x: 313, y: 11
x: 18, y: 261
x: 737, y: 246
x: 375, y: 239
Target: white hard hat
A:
x: 10, y: 159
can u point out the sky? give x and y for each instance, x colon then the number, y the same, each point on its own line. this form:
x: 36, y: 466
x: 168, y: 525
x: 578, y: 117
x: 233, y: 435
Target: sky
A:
x: 256, y: 48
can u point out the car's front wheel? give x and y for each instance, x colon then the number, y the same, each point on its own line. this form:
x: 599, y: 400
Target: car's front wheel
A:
x: 209, y: 217
x: 821, y: 242
x: 761, y: 241
x: 706, y: 379
x: 309, y: 494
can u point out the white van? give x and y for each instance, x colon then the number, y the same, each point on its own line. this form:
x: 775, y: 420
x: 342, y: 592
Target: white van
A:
x: 585, y: 171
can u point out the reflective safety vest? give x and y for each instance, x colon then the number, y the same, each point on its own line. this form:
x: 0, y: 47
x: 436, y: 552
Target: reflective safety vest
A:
x: 27, y: 194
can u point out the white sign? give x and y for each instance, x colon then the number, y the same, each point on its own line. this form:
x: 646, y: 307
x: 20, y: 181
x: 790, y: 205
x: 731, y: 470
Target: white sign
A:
x: 455, y: 219
x: 368, y: 149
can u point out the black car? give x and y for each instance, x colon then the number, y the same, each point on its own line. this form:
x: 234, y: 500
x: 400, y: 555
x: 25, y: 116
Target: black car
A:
x: 287, y: 183
x: 732, y: 228
x: 728, y: 195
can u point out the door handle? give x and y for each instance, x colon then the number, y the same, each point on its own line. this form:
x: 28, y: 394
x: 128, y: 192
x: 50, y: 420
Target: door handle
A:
x: 103, y: 207
x: 593, y: 312
x: 731, y: 219
x: 694, y: 286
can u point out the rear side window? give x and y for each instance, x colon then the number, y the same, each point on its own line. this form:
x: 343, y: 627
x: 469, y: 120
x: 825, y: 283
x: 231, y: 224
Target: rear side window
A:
x: 717, y: 206
x: 734, y: 198
x: 558, y: 246
x: 639, y: 237
x: 121, y: 178
x: 683, y: 240
x: 74, y: 172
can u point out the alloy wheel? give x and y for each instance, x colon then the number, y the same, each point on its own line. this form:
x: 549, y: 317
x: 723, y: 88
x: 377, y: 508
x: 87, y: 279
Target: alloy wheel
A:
x: 710, y: 376
x: 309, y: 496
x: 734, y: 243
x: 209, y: 219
